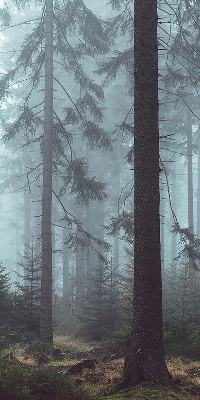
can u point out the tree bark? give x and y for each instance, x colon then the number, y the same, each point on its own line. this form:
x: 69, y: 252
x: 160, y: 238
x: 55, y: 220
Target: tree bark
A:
x: 190, y: 179
x: 46, y: 282
x: 117, y: 194
x: 65, y: 268
x: 198, y: 190
x: 80, y: 267
x: 27, y: 221
x: 145, y: 358
x: 162, y: 224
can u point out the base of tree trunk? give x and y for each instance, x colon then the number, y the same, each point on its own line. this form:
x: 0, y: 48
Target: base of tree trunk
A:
x: 140, y: 367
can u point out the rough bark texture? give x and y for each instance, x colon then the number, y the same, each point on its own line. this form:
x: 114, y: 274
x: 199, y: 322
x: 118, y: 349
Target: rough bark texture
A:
x: 162, y: 225
x: 46, y: 283
x: 145, y: 359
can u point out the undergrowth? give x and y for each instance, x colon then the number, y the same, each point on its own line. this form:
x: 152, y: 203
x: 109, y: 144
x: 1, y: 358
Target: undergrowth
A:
x: 31, y: 382
x: 41, y: 384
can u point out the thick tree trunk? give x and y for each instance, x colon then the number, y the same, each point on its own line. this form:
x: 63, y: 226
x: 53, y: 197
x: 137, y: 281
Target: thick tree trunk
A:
x: 145, y: 359
x: 46, y: 283
x: 162, y: 225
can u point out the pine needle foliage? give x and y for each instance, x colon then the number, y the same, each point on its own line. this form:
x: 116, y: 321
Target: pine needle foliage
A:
x: 124, y: 222
x: 76, y: 178
x: 80, y: 113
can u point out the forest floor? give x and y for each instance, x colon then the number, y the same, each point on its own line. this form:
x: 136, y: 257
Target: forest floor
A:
x: 102, y: 370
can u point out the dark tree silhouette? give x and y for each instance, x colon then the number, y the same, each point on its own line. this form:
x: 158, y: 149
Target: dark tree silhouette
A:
x: 145, y: 358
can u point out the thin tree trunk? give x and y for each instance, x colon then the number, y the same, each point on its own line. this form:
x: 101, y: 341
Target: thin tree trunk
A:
x: 27, y: 226
x: 192, y: 273
x: 18, y: 256
x: 198, y: 190
x: 89, y: 225
x: 174, y: 207
x: 89, y: 214
x: 65, y: 268
x: 190, y: 180
x: 27, y: 221
x: 80, y: 267
x: 145, y: 359
x: 46, y: 282
x: 117, y: 193
x: 53, y: 243
x: 174, y: 242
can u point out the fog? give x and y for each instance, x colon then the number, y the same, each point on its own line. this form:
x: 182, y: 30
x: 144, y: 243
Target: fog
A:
x: 93, y: 156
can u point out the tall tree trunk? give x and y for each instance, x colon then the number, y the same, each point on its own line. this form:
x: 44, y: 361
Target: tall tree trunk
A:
x: 27, y: 225
x: 80, y: 267
x: 162, y: 224
x: 46, y: 282
x: 18, y: 256
x: 88, y: 257
x: 198, y: 190
x: 190, y: 181
x: 192, y: 273
x: 174, y: 241
x: 145, y: 358
x: 53, y: 244
x: 27, y: 221
x: 174, y: 207
x: 65, y: 254
x: 117, y: 194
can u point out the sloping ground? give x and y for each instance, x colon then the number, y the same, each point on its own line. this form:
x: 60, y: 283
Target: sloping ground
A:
x: 148, y: 391
x: 96, y: 373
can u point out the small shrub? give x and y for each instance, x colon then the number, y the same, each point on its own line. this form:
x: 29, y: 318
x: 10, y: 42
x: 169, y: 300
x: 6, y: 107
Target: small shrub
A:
x: 42, y: 384
x: 178, y: 346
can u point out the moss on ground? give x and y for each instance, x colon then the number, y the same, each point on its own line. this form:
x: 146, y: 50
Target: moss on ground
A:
x: 148, y: 391
x: 22, y: 378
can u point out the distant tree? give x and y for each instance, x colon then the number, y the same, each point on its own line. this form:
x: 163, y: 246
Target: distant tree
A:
x: 37, y: 56
x: 29, y: 290
x: 4, y: 294
x: 46, y: 332
x: 101, y: 313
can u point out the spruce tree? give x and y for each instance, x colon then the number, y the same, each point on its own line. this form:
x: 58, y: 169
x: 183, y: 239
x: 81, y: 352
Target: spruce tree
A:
x: 52, y: 43
x: 46, y: 332
x: 29, y: 290
x: 145, y: 358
